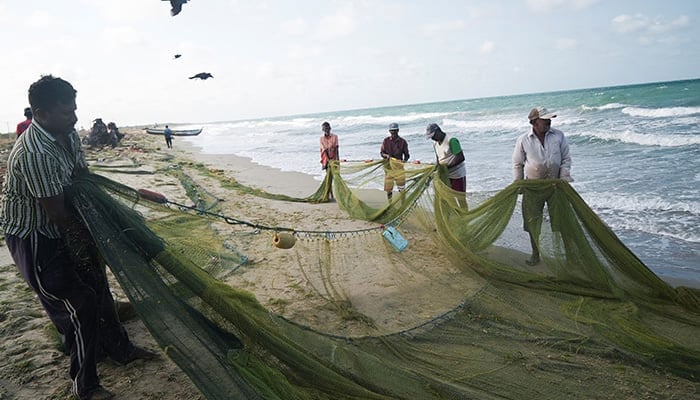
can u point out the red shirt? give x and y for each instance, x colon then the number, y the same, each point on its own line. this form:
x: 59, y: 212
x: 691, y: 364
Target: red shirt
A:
x: 395, y: 147
x: 329, y: 148
x: 22, y: 126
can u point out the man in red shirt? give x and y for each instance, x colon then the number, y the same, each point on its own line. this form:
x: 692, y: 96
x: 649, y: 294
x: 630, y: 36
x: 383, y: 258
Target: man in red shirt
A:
x: 395, y: 150
x: 22, y: 126
x: 329, y: 152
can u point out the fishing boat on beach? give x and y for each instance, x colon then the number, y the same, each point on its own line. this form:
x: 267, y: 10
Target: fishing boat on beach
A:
x: 175, y: 132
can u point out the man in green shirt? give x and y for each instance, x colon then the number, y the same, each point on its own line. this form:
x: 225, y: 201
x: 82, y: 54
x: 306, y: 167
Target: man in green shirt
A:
x: 448, y: 152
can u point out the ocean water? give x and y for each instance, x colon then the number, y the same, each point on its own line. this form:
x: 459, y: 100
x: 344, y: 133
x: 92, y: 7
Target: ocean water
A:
x: 635, y: 152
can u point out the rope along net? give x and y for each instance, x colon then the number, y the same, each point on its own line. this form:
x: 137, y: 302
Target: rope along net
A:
x: 457, y: 314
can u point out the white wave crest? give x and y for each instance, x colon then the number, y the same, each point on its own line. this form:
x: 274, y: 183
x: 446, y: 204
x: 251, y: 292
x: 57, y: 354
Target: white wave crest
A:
x: 387, y: 119
x: 648, y: 214
x: 661, y: 112
x: 641, y: 203
x: 491, y: 124
x: 627, y: 136
x: 610, y: 106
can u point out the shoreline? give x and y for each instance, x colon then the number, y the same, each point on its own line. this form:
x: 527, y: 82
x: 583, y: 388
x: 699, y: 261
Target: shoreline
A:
x: 299, y: 184
x: 289, y: 283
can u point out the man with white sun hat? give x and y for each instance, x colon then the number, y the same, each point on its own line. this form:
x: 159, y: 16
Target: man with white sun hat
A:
x: 541, y: 153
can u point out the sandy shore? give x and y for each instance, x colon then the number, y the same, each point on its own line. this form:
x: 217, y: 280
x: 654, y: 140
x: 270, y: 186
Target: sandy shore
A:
x: 31, y: 367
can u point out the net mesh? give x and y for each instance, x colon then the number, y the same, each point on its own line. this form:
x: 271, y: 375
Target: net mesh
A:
x: 485, y: 326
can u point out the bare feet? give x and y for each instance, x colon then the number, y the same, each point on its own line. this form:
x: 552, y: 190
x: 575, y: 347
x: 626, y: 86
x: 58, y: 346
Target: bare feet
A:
x: 138, y: 353
x: 100, y: 394
x: 534, y: 260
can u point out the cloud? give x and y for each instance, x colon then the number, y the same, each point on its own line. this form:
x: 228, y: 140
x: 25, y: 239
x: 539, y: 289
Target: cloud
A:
x: 40, y: 19
x: 338, y: 25
x: 581, y: 4
x: 129, y: 10
x: 641, y: 23
x: 550, y: 5
x: 5, y: 15
x: 630, y: 23
x: 678, y: 23
x: 442, y: 27
x: 487, y: 47
x: 120, y: 37
x: 565, y: 44
x: 297, y: 26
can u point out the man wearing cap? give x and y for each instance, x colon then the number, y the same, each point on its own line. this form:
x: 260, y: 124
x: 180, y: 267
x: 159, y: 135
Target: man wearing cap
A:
x: 22, y: 126
x: 542, y: 153
x: 395, y: 150
x: 449, y: 153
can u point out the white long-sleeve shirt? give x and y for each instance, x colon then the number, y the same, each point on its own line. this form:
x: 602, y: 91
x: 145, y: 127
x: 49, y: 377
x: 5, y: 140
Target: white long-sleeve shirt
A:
x: 533, y: 160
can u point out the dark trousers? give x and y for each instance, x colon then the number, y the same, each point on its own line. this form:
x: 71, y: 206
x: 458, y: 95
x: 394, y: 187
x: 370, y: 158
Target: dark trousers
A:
x: 169, y: 142
x: 77, y: 299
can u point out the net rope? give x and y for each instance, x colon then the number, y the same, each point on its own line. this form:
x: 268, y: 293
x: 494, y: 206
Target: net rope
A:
x: 513, y: 332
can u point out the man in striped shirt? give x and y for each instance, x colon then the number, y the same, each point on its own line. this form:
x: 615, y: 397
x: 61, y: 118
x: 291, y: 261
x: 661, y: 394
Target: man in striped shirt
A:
x: 37, y: 222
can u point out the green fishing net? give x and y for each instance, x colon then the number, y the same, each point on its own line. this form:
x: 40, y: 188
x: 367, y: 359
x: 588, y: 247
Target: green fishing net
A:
x: 589, y: 308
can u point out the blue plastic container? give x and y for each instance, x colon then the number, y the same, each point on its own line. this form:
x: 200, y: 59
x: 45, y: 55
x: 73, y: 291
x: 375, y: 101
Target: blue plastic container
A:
x: 395, y: 238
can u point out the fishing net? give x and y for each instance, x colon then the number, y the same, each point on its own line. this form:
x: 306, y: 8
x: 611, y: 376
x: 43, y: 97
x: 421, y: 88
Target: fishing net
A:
x: 456, y: 314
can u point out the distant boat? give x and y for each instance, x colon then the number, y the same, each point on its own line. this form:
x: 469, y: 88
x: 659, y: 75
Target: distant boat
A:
x: 175, y: 132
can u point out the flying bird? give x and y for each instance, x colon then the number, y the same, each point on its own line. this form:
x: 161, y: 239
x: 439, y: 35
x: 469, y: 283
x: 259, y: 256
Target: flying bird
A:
x: 177, y: 56
x: 202, y: 76
x: 176, y: 6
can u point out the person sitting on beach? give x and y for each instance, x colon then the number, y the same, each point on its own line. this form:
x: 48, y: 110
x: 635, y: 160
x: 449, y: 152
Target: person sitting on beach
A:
x: 22, y: 126
x: 448, y: 152
x: 394, y: 149
x: 114, y: 133
x: 47, y: 239
x: 99, y: 135
x: 168, y: 134
x: 541, y: 153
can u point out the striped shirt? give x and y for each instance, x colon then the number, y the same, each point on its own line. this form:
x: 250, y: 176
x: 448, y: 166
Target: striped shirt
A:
x: 37, y: 167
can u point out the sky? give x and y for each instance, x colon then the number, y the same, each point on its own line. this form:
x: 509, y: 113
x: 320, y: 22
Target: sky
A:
x: 278, y: 58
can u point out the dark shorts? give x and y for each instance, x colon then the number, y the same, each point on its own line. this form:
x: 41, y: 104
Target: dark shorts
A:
x: 459, y: 184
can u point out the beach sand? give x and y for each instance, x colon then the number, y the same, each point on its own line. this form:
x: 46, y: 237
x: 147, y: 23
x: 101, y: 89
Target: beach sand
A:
x: 32, y: 367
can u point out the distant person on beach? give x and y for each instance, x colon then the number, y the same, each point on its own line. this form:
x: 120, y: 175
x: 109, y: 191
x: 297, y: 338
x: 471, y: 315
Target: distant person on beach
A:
x: 329, y: 152
x: 114, y: 133
x: 168, y: 137
x: 22, y: 126
x: 448, y: 152
x: 329, y: 145
x: 394, y: 149
x: 52, y: 248
x: 541, y: 153
x: 99, y: 134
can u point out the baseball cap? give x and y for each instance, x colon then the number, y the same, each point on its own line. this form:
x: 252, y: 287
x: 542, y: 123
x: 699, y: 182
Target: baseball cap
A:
x: 393, y: 126
x: 541, y: 113
x: 430, y: 130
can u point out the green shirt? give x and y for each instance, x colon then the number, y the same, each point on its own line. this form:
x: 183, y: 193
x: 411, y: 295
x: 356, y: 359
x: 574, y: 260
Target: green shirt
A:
x: 37, y: 167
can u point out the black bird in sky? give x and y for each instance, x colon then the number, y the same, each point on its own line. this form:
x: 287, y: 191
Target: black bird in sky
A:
x: 176, y: 6
x: 202, y: 76
x: 177, y: 56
